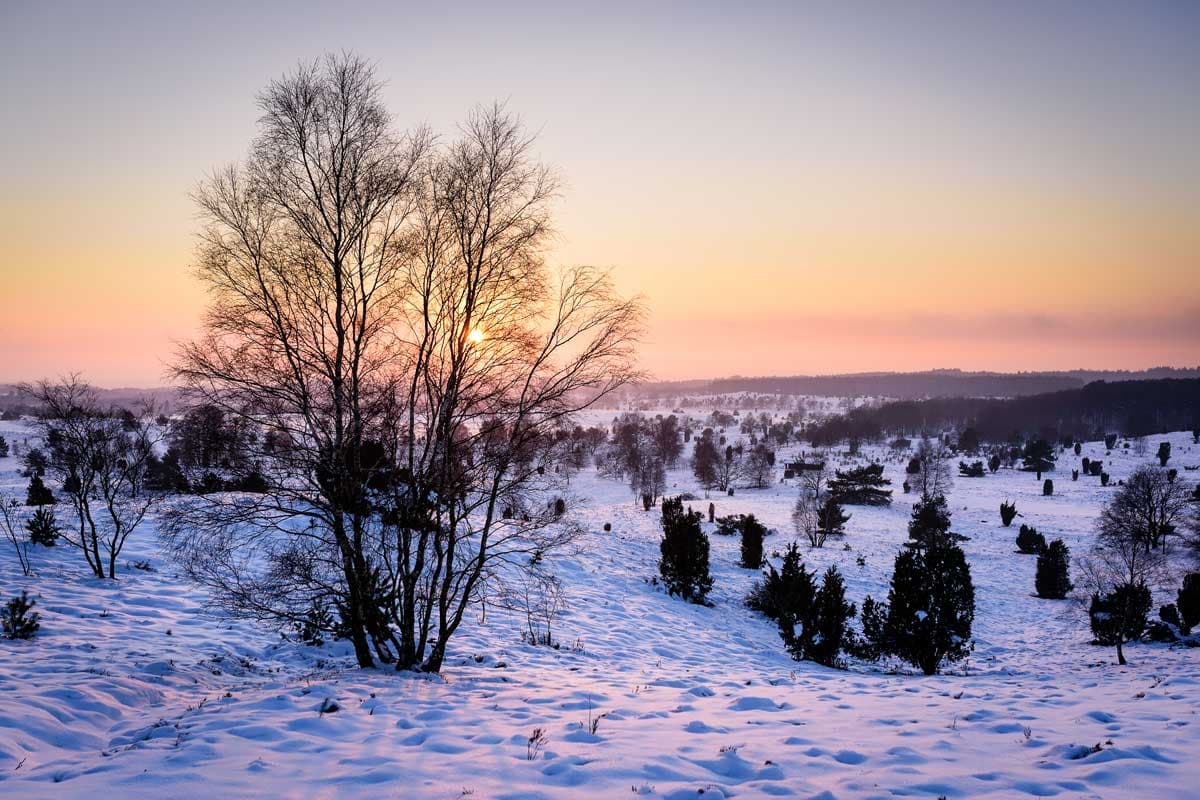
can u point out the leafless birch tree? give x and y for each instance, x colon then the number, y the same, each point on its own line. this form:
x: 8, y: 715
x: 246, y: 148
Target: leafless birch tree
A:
x: 382, y: 311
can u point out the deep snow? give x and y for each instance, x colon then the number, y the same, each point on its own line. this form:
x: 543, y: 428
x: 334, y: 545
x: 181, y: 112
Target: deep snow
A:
x: 133, y: 687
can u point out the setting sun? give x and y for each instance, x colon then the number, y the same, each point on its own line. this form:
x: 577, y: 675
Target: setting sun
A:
x: 475, y: 336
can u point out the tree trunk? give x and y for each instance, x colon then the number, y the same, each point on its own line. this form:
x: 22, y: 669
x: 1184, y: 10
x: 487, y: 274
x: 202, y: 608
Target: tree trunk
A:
x: 354, y: 605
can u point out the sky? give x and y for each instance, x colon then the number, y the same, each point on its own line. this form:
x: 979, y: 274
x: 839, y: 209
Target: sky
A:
x: 793, y: 188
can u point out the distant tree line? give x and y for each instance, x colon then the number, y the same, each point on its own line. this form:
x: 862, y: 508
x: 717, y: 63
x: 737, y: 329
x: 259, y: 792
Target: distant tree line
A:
x: 1134, y: 408
x: 907, y: 385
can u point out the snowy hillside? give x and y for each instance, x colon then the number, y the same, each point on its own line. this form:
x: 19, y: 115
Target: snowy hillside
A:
x: 132, y: 688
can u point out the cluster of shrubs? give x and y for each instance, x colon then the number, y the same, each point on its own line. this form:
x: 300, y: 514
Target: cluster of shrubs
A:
x: 1122, y: 615
x: 926, y: 620
x: 163, y: 474
x: 1053, y: 578
x: 752, y: 532
x: 813, y: 621
x: 972, y: 470
x: 1096, y: 470
x: 1181, y: 617
x: 166, y: 474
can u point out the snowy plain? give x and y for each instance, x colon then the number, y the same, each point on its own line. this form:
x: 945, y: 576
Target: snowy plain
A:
x: 133, y: 688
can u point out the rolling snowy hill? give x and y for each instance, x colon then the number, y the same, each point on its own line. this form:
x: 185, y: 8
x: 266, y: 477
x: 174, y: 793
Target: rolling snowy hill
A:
x: 132, y: 688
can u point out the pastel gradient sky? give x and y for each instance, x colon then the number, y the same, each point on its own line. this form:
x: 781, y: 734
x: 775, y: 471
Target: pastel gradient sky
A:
x: 794, y: 188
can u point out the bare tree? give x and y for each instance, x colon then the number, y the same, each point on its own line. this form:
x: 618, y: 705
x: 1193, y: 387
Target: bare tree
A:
x: 648, y: 478
x: 495, y: 337
x: 1118, y: 566
x: 806, y: 514
x: 382, y: 312
x: 757, y: 467
x: 933, y: 476
x: 806, y: 519
x: 540, y: 597
x: 705, y: 457
x: 816, y: 474
x: 100, y: 456
x: 728, y: 467
x: 1149, y: 508
x: 638, y: 454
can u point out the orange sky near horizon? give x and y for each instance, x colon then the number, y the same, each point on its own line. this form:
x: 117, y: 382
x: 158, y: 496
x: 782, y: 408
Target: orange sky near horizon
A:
x: 791, y: 193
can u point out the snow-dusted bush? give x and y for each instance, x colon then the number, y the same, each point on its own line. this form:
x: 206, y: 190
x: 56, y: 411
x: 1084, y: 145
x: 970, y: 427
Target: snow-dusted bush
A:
x: 787, y: 592
x: 166, y: 474
x: 930, y: 521
x: 1048, y: 488
x: 831, y: 518
x: 684, y: 548
x: 1120, y: 615
x: 34, y: 463
x: 1030, y: 542
x: 1008, y: 512
x: 830, y: 622
x: 931, y: 606
x: 1038, y: 457
x: 43, y: 527
x: 973, y: 470
x: 1188, y: 602
x: 813, y: 623
x: 38, y: 494
x: 18, y: 620
x: 861, y: 486
x: 753, y: 532
x: 729, y: 525
x: 1053, y: 579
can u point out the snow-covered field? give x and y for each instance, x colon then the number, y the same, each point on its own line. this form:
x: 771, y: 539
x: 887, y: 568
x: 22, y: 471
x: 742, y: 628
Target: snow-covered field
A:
x: 132, y: 689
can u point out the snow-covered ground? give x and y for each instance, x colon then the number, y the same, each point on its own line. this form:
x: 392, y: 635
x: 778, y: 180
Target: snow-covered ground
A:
x: 132, y: 688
